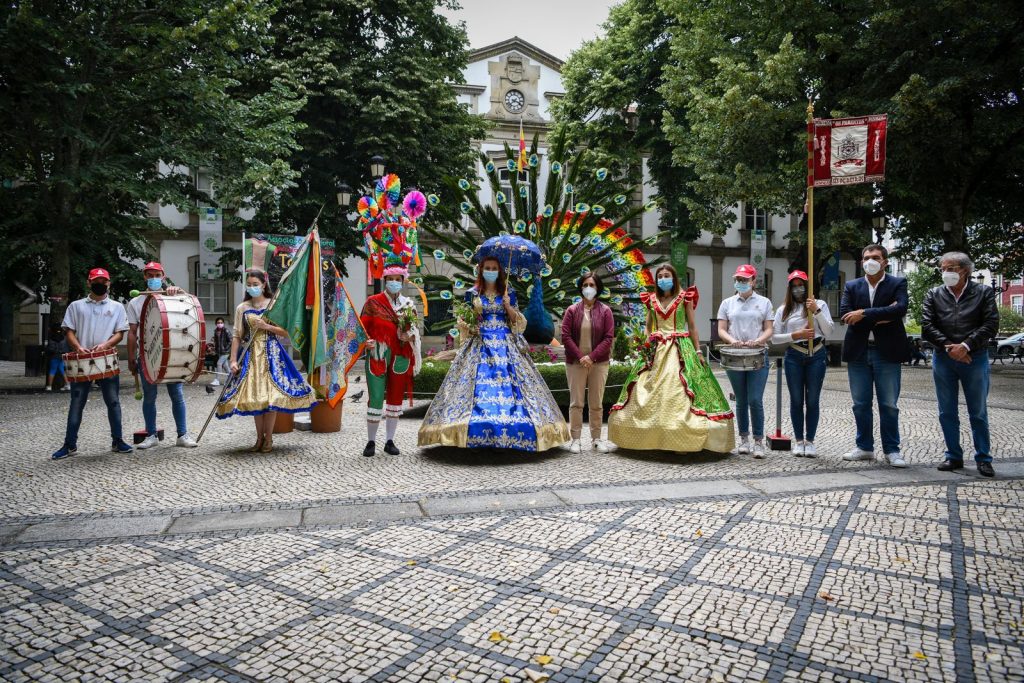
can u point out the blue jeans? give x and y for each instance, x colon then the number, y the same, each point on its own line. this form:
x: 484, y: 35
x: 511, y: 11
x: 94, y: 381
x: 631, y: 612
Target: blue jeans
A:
x: 804, y: 377
x: 149, y: 405
x: 873, y: 375
x: 748, y: 385
x: 110, y: 388
x: 974, y: 378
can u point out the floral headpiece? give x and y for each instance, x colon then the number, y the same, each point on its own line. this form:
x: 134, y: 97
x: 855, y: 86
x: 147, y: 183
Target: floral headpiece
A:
x: 389, y: 228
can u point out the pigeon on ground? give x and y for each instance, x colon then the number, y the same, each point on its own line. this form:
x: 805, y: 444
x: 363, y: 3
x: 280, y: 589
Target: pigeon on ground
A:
x: 209, y: 389
x: 356, y: 396
x: 358, y: 378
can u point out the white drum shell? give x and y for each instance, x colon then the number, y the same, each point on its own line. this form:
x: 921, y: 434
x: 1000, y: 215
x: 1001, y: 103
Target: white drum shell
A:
x: 741, y: 359
x: 172, y: 330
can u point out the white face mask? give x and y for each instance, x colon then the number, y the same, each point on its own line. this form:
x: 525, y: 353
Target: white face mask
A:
x: 950, y: 278
x: 589, y: 293
x: 871, y: 266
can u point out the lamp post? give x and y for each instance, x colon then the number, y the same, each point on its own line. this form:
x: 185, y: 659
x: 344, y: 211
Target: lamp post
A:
x: 377, y: 166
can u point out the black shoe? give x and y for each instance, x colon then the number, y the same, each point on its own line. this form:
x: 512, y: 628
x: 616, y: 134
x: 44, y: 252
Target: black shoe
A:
x: 985, y: 469
x: 950, y: 465
x: 371, y: 446
x: 391, y: 449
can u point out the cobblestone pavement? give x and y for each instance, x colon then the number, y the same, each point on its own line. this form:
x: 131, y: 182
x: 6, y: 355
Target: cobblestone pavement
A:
x: 783, y: 569
x: 306, y: 467
x: 875, y: 583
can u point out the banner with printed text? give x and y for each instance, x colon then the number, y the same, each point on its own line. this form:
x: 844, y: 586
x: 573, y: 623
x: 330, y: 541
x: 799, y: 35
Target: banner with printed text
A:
x: 848, y: 151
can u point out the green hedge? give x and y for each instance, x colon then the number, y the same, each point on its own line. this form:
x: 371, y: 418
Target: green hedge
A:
x: 433, y: 373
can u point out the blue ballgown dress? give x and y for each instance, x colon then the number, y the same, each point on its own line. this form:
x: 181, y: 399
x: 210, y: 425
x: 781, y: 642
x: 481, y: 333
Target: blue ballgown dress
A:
x: 493, y: 395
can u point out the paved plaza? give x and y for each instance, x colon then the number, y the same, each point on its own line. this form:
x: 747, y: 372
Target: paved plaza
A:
x: 313, y: 563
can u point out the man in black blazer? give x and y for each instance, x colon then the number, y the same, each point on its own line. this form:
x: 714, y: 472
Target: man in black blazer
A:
x: 874, y: 349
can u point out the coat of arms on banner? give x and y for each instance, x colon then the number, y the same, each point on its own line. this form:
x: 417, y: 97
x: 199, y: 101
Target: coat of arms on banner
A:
x: 849, y: 151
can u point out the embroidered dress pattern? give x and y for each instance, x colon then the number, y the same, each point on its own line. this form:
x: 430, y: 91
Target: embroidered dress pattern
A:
x: 267, y: 379
x: 671, y: 401
x: 493, y: 396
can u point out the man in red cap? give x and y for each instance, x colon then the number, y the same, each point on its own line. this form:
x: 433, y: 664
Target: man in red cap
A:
x: 95, y: 323
x: 155, y: 283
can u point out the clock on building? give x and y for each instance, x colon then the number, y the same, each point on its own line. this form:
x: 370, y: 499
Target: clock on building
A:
x: 515, y: 101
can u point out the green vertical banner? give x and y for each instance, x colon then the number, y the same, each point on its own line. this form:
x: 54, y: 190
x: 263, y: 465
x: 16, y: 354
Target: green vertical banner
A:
x: 679, y: 254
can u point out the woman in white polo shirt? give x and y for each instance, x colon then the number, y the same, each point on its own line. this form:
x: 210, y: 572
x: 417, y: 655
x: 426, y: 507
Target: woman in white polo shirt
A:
x: 745, y: 321
x: 805, y: 372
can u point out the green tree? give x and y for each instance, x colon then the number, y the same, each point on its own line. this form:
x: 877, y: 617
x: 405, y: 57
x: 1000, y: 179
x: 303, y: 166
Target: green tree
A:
x: 1010, y: 321
x: 613, y: 107
x: 918, y: 283
x: 949, y: 75
x: 377, y: 77
x: 94, y: 95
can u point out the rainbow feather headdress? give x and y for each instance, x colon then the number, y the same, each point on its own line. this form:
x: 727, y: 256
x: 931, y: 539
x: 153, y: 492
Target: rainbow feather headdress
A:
x: 388, y: 224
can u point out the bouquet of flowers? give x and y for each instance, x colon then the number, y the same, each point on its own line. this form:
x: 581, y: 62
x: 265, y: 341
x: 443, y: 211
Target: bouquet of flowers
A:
x: 466, y: 314
x: 407, y: 318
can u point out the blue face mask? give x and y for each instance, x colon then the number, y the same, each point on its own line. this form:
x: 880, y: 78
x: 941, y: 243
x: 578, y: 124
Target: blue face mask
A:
x: 155, y: 283
x: 742, y: 287
x: 490, y: 276
x: 665, y: 284
x: 254, y: 291
x: 394, y: 286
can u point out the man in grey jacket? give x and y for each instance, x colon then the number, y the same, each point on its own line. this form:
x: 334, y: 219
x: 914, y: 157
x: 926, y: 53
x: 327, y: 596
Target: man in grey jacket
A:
x: 959, y: 319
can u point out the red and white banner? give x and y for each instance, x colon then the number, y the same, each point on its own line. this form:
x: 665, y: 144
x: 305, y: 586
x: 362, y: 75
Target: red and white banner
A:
x: 847, y: 151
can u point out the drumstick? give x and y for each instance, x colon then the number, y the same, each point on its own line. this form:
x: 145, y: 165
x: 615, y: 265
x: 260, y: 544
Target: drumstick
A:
x: 138, y: 387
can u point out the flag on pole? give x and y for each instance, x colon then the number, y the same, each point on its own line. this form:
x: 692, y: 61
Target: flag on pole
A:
x: 521, y: 161
x: 346, y: 338
x: 298, y: 305
x: 848, y: 151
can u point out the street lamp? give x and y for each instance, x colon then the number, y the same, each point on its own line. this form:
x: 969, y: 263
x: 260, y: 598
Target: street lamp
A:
x: 377, y: 165
x: 344, y: 194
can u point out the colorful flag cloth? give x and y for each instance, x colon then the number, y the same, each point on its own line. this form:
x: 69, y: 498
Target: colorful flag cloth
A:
x: 848, y: 151
x: 346, y: 338
x: 298, y: 305
x: 521, y: 161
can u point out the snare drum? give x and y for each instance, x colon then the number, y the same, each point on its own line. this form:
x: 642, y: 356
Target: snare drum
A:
x: 85, y: 366
x: 172, y: 330
x: 741, y: 359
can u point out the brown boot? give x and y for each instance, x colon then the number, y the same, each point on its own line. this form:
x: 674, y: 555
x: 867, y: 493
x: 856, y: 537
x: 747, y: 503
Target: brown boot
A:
x: 259, y: 445
x: 268, y: 444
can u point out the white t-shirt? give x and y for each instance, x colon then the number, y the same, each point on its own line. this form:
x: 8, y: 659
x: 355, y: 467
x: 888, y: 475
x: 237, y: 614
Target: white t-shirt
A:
x: 783, y: 331
x: 134, y: 309
x: 746, y: 316
x: 94, y: 322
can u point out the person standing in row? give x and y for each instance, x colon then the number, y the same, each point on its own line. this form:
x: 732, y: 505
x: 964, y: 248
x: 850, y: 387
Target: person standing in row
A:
x: 588, y: 329
x: 264, y: 380
x: 153, y: 272
x: 493, y: 396
x: 874, y: 350
x: 95, y: 323
x: 959, y: 318
x: 671, y: 401
x: 392, y: 357
x: 805, y: 372
x: 222, y: 349
x: 745, y: 321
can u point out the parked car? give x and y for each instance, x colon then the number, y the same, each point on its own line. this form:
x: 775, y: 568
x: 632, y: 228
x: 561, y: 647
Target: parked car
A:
x: 1005, y: 348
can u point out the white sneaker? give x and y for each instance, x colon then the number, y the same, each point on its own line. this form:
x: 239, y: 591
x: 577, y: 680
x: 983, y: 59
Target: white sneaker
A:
x: 896, y: 459
x: 858, y: 454
x: 743, y: 448
x: 758, y: 450
x: 49, y: 388
x: 215, y: 383
x: 575, y: 446
x: 601, y: 446
x: 65, y: 388
x: 186, y: 441
x: 809, y: 450
x: 798, y: 449
x: 148, y: 442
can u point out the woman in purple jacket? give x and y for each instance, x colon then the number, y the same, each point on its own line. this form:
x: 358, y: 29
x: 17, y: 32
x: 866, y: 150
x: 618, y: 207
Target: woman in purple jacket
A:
x: 587, y: 332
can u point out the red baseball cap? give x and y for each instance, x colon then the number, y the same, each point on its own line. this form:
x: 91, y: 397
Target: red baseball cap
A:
x: 153, y: 265
x: 97, y: 273
x: 797, y: 275
x: 746, y: 270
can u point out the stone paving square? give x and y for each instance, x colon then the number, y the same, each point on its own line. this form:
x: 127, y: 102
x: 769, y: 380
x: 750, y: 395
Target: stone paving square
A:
x: 911, y: 575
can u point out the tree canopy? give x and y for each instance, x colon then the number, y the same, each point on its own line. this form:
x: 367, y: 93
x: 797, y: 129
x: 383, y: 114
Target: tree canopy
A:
x: 94, y: 95
x: 725, y: 86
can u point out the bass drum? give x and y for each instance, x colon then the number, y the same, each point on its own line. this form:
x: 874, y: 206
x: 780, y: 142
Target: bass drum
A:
x: 172, y: 331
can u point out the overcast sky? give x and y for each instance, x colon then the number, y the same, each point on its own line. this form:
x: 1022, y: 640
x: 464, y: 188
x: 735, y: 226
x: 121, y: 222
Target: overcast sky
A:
x: 555, y: 26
